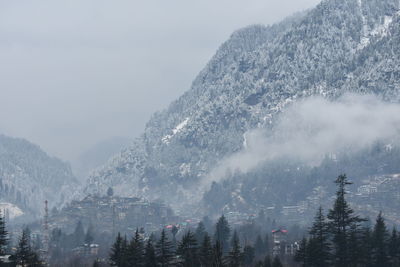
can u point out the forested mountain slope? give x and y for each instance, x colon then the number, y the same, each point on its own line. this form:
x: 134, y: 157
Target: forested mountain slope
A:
x: 340, y: 46
x: 28, y: 177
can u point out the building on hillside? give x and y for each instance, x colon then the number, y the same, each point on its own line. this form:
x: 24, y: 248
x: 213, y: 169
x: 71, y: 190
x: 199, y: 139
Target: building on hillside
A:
x: 113, y: 214
x: 279, y: 241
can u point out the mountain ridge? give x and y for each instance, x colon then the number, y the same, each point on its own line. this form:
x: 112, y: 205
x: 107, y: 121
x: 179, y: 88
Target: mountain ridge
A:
x: 253, y: 76
x: 29, y: 176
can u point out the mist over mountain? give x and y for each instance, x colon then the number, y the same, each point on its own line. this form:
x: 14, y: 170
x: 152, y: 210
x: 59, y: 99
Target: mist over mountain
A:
x: 98, y: 155
x: 28, y: 177
x: 306, y: 63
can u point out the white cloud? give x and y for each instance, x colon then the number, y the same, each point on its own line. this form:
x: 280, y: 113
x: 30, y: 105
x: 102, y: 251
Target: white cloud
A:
x: 312, y: 128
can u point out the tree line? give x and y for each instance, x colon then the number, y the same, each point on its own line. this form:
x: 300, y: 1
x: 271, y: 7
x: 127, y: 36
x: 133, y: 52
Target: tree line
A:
x: 340, y: 238
x: 24, y: 255
x: 344, y: 239
x: 196, y: 248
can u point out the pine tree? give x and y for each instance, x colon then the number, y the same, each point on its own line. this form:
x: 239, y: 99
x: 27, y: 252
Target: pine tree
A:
x: 3, y: 236
x: 110, y: 192
x: 89, y: 236
x: 267, y: 262
x: 206, y: 251
x: 174, y: 231
x: 24, y: 255
x: 96, y: 263
x: 200, y: 232
x: 355, y: 249
x: 222, y: 233
x: 188, y: 250
x: 302, y: 253
x: 116, y: 255
x: 259, y: 247
x: 341, y: 218
x: 217, y: 255
x: 312, y: 252
x: 124, y: 252
x: 277, y: 262
x: 266, y: 244
x: 248, y: 255
x: 319, y: 234
x: 394, y: 248
x: 35, y: 260
x: 234, y: 258
x: 150, y: 259
x: 380, y: 235
x: 79, y: 234
x: 164, y: 250
x: 366, y: 248
x: 136, y: 251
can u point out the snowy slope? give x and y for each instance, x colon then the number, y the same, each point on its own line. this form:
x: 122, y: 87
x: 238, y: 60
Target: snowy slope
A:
x: 28, y: 176
x: 338, y: 47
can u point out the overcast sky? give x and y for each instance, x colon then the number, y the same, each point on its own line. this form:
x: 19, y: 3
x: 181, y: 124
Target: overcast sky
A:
x: 75, y: 72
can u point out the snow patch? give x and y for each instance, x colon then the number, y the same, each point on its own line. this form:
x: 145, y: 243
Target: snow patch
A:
x: 381, y: 30
x: 184, y: 169
x: 10, y: 210
x: 166, y: 139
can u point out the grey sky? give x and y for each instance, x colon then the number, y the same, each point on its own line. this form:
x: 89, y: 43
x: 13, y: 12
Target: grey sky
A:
x: 75, y: 72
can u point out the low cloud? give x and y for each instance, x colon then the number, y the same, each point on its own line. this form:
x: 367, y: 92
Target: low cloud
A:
x: 312, y: 128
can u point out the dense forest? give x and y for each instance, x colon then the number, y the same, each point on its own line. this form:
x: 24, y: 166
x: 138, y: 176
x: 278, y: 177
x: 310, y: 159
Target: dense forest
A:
x: 338, y: 238
x: 341, y: 238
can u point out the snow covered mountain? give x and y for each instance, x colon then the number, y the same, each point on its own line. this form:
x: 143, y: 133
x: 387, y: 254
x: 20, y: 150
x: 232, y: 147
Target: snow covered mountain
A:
x: 340, y: 46
x: 28, y: 177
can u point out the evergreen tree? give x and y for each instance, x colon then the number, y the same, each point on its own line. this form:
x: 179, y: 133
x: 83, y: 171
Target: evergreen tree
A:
x: 89, y: 236
x: 136, y: 251
x: 302, y: 253
x: 259, y: 247
x: 206, y: 251
x: 222, y: 233
x: 266, y: 243
x: 234, y: 258
x: 341, y: 218
x: 35, y: 260
x: 217, y: 260
x: 200, y: 232
x: 96, y: 263
x: 394, y: 248
x: 208, y: 224
x: 174, y: 231
x: 366, y: 248
x: 150, y: 259
x: 3, y: 236
x: 164, y: 250
x: 116, y: 255
x: 24, y: 255
x: 188, y: 250
x: 248, y: 255
x: 379, y: 243
x: 320, y: 244
x: 79, y: 234
x: 277, y: 262
x: 311, y: 251
x: 267, y: 262
x: 125, y: 252
x: 355, y: 250
x: 110, y: 192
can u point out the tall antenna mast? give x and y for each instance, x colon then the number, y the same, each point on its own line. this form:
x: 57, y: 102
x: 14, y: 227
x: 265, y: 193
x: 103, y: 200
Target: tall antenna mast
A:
x: 46, y: 234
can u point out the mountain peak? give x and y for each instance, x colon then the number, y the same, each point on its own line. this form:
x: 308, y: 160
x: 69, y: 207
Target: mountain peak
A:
x: 335, y: 48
